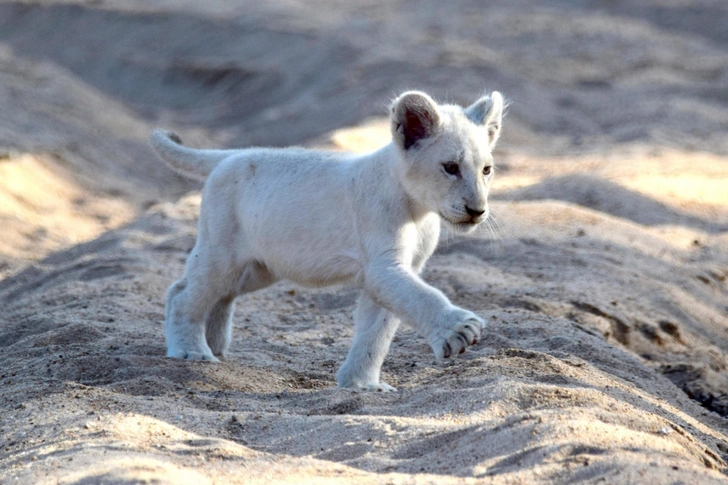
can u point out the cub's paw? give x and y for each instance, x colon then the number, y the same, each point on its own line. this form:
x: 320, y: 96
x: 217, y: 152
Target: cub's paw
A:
x: 461, y: 330
x: 192, y: 355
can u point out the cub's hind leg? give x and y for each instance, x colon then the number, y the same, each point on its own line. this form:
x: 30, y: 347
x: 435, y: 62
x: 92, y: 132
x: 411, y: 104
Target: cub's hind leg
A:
x: 219, y: 324
x: 190, y: 302
x: 374, y: 329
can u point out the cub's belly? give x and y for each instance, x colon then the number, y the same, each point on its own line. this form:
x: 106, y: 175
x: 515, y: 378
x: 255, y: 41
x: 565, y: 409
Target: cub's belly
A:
x: 319, y: 270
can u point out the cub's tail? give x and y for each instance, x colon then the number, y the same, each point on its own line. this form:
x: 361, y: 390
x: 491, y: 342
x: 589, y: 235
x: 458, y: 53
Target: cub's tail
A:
x: 188, y: 161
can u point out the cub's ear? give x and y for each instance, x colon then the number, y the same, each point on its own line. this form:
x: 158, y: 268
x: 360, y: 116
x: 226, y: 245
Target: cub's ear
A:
x: 414, y: 117
x: 488, y: 111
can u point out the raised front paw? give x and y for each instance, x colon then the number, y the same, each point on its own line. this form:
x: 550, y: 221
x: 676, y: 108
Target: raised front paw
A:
x: 460, y: 329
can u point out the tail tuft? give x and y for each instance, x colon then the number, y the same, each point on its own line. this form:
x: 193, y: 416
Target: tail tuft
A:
x: 174, y: 137
x: 188, y: 161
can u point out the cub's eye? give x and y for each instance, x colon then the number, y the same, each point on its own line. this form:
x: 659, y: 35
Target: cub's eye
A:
x: 487, y: 170
x: 451, y: 168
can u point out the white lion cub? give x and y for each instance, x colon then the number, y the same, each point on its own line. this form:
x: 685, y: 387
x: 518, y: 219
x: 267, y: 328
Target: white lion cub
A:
x: 321, y: 218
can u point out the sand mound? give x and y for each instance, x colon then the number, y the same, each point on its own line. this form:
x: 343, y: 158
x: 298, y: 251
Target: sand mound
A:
x: 553, y: 392
x: 602, y: 277
x: 42, y: 210
x: 73, y: 163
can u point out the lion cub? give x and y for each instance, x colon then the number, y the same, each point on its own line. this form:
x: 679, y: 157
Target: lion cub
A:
x: 322, y: 218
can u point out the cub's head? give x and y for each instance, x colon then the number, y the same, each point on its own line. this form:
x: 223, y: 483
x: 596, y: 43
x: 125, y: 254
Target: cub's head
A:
x: 446, y: 160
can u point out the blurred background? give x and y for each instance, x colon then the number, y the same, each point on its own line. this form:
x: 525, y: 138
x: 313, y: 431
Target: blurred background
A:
x: 579, y: 73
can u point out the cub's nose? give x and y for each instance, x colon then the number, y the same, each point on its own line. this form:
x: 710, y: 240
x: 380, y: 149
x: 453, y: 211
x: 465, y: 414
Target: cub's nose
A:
x: 474, y: 213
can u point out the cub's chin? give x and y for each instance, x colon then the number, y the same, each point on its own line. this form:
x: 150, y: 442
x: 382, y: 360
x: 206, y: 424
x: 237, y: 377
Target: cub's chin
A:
x: 463, y: 227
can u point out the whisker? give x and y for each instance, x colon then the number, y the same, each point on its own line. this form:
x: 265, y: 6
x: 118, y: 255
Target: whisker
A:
x: 449, y: 234
x: 497, y: 226
x: 495, y: 229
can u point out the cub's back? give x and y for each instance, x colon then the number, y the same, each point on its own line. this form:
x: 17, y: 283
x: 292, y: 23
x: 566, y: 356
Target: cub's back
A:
x: 294, y: 209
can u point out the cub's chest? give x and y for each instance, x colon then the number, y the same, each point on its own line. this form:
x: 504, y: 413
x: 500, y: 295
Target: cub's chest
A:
x: 426, y: 234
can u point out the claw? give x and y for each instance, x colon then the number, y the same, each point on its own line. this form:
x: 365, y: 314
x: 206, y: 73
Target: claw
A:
x: 447, y: 351
x: 473, y: 334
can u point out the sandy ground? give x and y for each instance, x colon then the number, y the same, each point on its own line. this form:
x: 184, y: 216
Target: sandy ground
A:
x: 602, y: 277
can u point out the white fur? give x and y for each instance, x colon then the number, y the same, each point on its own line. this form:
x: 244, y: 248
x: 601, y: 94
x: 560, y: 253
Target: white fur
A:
x: 321, y: 218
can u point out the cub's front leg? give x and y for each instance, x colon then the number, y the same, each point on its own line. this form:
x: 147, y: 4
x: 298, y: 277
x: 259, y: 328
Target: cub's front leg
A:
x: 374, y: 328
x: 448, y: 329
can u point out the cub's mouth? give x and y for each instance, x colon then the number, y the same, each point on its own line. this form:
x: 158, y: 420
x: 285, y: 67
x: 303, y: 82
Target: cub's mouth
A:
x: 463, y: 225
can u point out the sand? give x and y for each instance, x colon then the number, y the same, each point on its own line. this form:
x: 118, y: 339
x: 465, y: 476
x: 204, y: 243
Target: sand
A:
x: 602, y: 276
